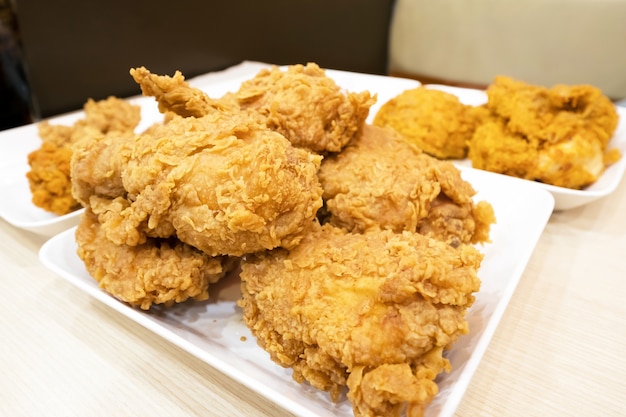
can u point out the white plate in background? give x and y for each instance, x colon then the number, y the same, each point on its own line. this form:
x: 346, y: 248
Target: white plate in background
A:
x: 17, y: 208
x: 214, y: 331
x: 565, y: 198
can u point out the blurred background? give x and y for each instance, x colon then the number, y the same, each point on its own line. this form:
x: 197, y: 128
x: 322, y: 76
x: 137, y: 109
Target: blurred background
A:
x: 17, y: 106
x: 543, y: 42
x: 57, y: 54
x: 80, y: 49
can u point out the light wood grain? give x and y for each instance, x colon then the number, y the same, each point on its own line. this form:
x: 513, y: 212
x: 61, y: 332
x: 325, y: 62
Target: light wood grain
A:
x: 559, y: 350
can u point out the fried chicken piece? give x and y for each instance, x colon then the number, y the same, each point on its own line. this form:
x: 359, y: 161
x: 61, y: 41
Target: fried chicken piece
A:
x: 370, y: 311
x: 495, y: 149
x: 552, y: 114
x: 97, y: 164
x: 174, y: 94
x: 49, y: 174
x: 435, y: 121
x: 49, y: 179
x: 380, y: 180
x: 306, y: 106
x: 556, y: 135
x: 224, y: 183
x: 159, y: 271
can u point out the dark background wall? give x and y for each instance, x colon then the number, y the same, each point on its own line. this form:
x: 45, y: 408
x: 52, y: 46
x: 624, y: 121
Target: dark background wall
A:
x: 77, y: 50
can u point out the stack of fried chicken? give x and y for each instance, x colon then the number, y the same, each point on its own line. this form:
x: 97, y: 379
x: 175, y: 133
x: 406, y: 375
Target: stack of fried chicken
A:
x: 356, y: 250
x: 558, y: 135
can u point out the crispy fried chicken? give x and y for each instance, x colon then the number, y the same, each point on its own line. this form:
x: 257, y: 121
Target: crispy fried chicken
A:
x: 372, y: 312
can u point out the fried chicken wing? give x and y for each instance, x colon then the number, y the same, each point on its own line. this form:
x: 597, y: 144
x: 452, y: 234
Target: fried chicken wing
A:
x: 372, y: 312
x: 436, y: 121
x: 556, y: 135
x: 306, y: 106
x: 159, y: 271
x: 380, y: 180
x: 174, y: 94
x: 49, y: 174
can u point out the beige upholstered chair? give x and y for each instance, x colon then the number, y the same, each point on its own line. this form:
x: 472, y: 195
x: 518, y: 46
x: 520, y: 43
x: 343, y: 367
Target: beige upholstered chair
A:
x: 538, y: 41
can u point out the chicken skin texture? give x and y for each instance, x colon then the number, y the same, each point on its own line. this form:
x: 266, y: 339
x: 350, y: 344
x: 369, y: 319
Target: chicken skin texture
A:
x: 380, y: 180
x: 223, y: 183
x: 175, y: 95
x: 301, y: 103
x: 99, y: 161
x: 556, y: 135
x: 306, y: 106
x: 50, y: 165
x: 97, y: 164
x: 372, y: 312
x: 159, y: 271
x: 435, y: 121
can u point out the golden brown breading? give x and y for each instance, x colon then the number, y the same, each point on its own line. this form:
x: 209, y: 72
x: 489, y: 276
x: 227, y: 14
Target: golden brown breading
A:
x: 306, y: 106
x: 380, y: 180
x: 224, y: 182
x: 174, y: 94
x: 496, y: 149
x: 370, y: 311
x: 49, y: 175
x: 159, y: 271
x: 435, y: 121
x: 97, y: 164
x: 555, y: 135
x: 109, y: 115
x: 552, y: 114
x: 49, y: 179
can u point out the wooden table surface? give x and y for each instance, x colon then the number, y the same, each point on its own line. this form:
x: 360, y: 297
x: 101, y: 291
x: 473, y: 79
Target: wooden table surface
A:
x: 559, y: 349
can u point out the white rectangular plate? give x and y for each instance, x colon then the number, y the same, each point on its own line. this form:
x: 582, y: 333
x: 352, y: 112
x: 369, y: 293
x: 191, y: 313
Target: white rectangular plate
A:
x: 214, y: 330
x: 565, y: 198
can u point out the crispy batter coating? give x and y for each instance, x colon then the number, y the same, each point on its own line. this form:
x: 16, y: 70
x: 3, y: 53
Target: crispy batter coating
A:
x: 49, y: 175
x: 225, y: 183
x: 159, y: 271
x: 552, y: 114
x: 49, y: 179
x: 556, y: 135
x: 370, y: 311
x: 435, y: 121
x: 306, y: 106
x: 97, y: 164
x: 380, y: 180
x: 174, y: 94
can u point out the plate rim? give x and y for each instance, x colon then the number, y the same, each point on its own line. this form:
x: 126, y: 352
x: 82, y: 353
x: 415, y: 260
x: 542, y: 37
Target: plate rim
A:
x: 447, y: 408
